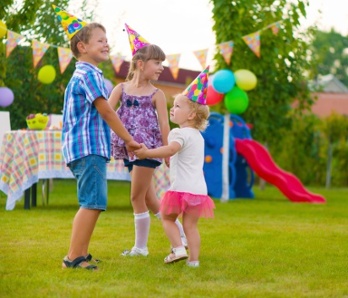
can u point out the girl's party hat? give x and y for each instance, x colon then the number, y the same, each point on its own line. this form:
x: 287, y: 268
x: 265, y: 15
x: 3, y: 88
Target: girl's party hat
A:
x: 197, y: 90
x: 70, y: 23
x: 136, y: 41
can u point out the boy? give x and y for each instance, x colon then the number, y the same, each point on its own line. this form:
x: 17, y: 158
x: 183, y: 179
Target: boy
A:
x: 87, y: 116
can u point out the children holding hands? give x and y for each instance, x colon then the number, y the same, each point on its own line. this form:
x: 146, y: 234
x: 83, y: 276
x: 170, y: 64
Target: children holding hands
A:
x: 141, y: 118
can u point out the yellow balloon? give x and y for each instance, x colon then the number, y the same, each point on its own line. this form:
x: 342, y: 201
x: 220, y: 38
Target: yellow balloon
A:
x: 245, y: 79
x: 47, y: 74
x: 3, y: 29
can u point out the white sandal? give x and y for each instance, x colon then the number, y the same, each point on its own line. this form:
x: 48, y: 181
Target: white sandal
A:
x: 177, y: 254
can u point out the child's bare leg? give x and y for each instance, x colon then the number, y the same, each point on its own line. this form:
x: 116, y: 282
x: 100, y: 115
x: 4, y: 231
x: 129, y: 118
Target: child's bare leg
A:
x: 141, y: 182
x: 82, y: 229
x: 151, y: 199
x: 153, y: 204
x: 190, y: 222
x: 171, y: 229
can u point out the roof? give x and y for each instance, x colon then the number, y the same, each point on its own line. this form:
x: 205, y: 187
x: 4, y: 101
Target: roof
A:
x: 328, y: 83
x: 185, y: 76
x: 328, y: 103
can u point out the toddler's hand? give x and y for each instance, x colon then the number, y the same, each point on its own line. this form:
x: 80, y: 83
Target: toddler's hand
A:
x: 167, y: 161
x: 141, y: 153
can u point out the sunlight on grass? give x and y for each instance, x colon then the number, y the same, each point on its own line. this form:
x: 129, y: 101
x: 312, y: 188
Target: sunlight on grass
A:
x: 262, y: 247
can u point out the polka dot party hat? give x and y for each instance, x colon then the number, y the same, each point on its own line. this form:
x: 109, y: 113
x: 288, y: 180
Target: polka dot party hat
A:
x: 197, y: 90
x: 70, y: 23
x: 136, y: 41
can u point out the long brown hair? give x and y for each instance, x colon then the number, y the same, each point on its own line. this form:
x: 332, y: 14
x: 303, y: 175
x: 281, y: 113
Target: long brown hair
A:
x: 146, y: 53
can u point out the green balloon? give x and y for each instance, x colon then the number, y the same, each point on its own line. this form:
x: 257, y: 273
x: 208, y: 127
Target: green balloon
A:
x: 236, y: 101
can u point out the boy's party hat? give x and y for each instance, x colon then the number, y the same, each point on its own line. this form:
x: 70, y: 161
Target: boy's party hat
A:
x: 70, y: 23
x: 197, y: 90
x: 136, y: 41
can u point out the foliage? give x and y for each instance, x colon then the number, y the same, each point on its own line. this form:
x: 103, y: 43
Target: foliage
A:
x: 329, y: 49
x: 303, y: 150
x: 279, y: 70
x: 35, y: 20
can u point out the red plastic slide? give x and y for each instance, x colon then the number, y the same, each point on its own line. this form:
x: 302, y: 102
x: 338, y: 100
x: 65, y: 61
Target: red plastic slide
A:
x: 262, y: 163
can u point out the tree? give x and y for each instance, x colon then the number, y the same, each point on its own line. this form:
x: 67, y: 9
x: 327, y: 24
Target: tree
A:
x: 329, y: 49
x: 281, y: 67
x: 35, y: 19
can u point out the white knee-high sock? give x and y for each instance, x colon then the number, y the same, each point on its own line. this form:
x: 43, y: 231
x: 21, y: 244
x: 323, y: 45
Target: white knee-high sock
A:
x: 178, y: 224
x: 142, y: 229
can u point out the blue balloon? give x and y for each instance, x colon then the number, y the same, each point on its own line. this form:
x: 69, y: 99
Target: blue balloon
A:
x: 223, y: 81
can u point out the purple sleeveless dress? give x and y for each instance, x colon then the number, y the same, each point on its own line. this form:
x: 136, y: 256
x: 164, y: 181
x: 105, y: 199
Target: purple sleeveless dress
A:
x: 139, y: 117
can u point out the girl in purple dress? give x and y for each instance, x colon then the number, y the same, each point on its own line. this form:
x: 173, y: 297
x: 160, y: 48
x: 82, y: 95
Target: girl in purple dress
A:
x: 143, y: 111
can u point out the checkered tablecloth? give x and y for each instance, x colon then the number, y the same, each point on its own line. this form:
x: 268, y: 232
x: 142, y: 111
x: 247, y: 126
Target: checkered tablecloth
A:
x: 27, y: 156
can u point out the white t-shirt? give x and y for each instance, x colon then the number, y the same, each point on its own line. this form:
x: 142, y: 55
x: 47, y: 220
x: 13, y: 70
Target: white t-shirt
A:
x: 186, y: 166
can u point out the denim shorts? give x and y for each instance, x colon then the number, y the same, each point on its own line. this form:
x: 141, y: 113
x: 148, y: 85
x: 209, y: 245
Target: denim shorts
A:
x: 90, y: 173
x: 148, y: 163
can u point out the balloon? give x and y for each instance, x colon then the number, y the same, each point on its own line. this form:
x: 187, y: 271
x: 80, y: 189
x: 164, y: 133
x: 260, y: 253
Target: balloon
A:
x: 108, y: 85
x: 3, y: 29
x: 236, y: 101
x: 47, y: 74
x: 6, y: 97
x: 223, y: 81
x: 245, y: 79
x: 213, y: 97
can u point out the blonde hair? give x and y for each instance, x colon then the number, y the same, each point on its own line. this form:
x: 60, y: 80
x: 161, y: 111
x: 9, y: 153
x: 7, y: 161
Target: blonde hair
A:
x: 149, y: 52
x: 83, y: 35
x: 200, y: 122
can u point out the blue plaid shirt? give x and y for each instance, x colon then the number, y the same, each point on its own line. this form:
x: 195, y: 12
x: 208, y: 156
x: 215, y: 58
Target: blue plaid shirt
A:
x: 84, y: 130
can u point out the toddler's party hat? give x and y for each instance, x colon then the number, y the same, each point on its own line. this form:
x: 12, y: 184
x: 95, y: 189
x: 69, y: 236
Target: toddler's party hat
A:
x: 70, y: 23
x: 136, y: 41
x: 197, y: 90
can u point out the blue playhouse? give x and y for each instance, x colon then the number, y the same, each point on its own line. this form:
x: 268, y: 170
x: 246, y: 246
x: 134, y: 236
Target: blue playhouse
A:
x: 240, y: 175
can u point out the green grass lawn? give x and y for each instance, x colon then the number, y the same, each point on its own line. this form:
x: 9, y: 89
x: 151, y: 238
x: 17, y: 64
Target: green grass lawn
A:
x: 262, y: 247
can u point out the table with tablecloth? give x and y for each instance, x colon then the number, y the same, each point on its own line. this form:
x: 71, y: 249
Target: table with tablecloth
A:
x: 27, y: 156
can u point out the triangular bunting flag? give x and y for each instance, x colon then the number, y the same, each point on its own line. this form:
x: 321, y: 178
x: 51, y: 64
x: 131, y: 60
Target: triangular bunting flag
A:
x: 275, y: 28
x: 226, y: 50
x: 173, y: 61
x: 253, y: 42
x: 201, y: 55
x: 117, y: 62
x: 64, y: 55
x: 13, y: 39
x: 39, y: 49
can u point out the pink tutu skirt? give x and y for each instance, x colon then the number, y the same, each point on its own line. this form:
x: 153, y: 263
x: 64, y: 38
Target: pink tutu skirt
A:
x: 174, y: 202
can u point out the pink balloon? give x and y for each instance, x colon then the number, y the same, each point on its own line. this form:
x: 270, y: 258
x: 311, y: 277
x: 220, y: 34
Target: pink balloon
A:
x: 6, y: 97
x: 213, y: 97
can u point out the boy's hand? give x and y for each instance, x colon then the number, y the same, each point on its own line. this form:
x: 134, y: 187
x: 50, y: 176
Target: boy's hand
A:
x: 132, y: 145
x: 141, y: 153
